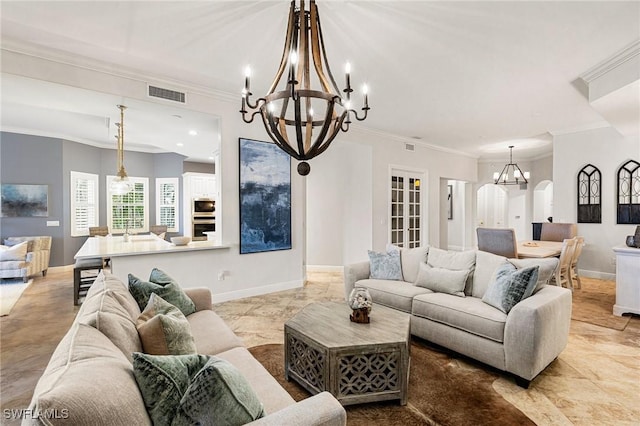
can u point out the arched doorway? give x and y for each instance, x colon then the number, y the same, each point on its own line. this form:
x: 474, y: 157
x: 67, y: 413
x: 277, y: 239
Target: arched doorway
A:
x: 543, y: 201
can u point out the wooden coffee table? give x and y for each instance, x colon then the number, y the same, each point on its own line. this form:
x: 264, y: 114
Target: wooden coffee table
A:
x: 325, y: 351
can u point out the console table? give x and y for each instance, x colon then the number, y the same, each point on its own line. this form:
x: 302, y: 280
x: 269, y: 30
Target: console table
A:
x: 627, y: 281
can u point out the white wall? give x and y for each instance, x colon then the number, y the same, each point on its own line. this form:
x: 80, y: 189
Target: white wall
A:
x: 456, y: 227
x: 606, y: 149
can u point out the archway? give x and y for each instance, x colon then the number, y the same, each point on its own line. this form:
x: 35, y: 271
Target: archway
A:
x: 543, y: 201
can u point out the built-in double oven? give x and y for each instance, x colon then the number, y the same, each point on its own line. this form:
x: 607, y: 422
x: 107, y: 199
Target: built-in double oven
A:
x: 203, y: 218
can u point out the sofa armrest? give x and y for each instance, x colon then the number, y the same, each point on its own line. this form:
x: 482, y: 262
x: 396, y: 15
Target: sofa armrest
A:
x: 537, y: 331
x: 321, y: 410
x: 201, y: 297
x: 352, y: 273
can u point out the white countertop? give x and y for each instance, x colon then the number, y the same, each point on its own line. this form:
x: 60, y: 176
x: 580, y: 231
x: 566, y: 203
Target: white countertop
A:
x: 115, y: 246
x: 627, y: 250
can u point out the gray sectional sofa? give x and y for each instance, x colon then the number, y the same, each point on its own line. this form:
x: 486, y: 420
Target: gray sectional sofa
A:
x: 90, y: 381
x: 523, y: 342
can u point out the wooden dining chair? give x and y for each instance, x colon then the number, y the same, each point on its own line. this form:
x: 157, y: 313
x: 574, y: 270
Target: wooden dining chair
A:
x: 98, y: 231
x: 558, y: 231
x: 159, y: 230
x: 562, y: 276
x: 498, y: 241
x: 574, y: 261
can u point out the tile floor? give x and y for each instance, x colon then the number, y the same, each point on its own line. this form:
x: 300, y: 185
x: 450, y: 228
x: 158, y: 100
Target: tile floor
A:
x: 595, y: 381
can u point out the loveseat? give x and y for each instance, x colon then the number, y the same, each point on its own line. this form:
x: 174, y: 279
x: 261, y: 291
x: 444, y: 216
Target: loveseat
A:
x: 90, y: 378
x: 25, y: 261
x: 522, y: 342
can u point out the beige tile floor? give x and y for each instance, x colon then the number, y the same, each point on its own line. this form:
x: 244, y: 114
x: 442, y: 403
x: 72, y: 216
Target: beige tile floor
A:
x: 595, y: 381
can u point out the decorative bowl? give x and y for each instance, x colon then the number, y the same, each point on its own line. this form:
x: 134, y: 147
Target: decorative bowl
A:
x: 180, y: 241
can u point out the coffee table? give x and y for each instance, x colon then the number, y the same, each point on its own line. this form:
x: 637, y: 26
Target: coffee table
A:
x: 325, y: 351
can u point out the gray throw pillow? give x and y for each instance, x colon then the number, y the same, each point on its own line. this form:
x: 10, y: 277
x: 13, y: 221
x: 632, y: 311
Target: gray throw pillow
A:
x: 510, y: 286
x: 194, y: 389
x: 164, y: 330
x: 385, y: 266
x: 162, y: 285
x: 442, y: 280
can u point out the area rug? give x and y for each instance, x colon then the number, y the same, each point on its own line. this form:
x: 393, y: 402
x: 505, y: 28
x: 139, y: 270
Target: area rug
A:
x: 441, y: 392
x: 10, y: 291
x: 593, y: 303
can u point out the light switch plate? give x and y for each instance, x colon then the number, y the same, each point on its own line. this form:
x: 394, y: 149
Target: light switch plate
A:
x: 53, y: 223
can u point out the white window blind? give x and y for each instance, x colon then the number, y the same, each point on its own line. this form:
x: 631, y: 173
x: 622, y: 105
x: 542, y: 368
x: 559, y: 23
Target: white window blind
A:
x: 84, y: 203
x: 129, y: 211
x: 167, y: 203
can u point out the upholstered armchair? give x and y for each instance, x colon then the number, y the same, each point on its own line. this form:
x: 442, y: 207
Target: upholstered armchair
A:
x: 24, y: 264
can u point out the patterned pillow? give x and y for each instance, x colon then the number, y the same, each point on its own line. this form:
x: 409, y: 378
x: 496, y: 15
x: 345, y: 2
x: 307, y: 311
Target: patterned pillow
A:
x: 385, y: 266
x: 510, y: 286
x: 165, y: 287
x: 195, y: 389
x: 164, y: 330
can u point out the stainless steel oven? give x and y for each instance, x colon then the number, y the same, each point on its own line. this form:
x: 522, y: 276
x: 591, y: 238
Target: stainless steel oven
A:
x: 200, y: 226
x: 203, y: 207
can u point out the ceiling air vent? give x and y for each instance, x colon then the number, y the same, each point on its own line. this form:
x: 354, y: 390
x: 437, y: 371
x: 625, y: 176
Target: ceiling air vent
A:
x: 409, y: 147
x: 171, y: 95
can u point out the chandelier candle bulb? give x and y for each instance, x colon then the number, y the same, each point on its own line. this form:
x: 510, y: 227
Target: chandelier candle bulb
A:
x: 247, y: 81
x: 365, y: 92
x: 347, y: 71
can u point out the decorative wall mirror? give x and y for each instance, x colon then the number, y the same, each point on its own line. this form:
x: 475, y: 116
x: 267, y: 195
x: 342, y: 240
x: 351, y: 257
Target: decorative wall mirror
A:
x: 629, y: 193
x: 589, y: 196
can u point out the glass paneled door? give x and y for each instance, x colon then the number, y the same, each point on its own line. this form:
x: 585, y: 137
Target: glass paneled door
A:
x: 406, y: 209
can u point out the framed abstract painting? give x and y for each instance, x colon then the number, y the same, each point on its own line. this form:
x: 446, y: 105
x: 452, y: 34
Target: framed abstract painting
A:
x: 265, y: 197
x: 24, y: 200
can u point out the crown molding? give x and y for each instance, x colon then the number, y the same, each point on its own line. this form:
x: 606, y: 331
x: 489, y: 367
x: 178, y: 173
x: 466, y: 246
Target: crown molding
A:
x: 626, y: 54
x: 584, y: 128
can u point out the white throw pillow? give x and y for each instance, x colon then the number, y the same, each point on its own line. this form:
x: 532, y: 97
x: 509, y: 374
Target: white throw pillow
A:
x: 486, y: 266
x: 454, y: 260
x: 442, y: 280
x: 17, y: 252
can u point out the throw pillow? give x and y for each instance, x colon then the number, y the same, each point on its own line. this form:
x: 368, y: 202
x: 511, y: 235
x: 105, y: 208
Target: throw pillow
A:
x: 30, y: 244
x: 385, y: 266
x: 165, y: 287
x: 442, y: 280
x: 194, y: 389
x: 547, y: 268
x: 454, y: 260
x: 411, y: 260
x: 13, y: 253
x: 510, y: 286
x: 164, y: 330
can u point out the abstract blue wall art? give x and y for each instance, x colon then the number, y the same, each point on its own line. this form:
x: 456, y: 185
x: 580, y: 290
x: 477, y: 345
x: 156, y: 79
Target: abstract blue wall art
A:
x: 24, y: 200
x: 265, y: 197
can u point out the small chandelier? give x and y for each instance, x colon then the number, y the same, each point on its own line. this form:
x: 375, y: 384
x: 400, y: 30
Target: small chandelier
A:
x: 511, y: 170
x: 300, y: 120
x: 121, y: 184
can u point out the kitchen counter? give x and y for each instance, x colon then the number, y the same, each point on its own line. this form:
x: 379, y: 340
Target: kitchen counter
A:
x: 627, y: 282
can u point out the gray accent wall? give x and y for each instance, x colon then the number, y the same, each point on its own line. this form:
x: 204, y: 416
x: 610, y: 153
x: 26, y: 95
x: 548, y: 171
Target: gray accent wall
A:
x: 42, y: 160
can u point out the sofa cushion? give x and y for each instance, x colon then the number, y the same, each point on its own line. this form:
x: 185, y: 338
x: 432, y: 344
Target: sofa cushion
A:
x: 468, y: 314
x: 164, y: 286
x: 30, y: 243
x: 89, y: 382
x: 12, y: 265
x: 394, y: 294
x: 454, y: 260
x: 545, y: 272
x: 510, y: 286
x: 195, y: 389
x: 106, y: 281
x: 442, y: 280
x: 486, y: 266
x: 17, y: 252
x: 164, y: 330
x: 385, y: 266
x: 106, y: 313
x: 211, y: 334
x: 411, y: 259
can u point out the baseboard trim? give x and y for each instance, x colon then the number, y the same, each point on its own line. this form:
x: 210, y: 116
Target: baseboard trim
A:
x: 325, y: 268
x: 256, y: 291
x: 597, y: 274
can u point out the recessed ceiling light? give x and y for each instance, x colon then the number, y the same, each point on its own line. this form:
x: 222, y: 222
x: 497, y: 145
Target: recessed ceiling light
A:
x: 180, y: 144
x: 193, y: 132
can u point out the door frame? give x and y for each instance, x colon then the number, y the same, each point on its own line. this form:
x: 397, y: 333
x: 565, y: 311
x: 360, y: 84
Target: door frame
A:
x: 423, y: 175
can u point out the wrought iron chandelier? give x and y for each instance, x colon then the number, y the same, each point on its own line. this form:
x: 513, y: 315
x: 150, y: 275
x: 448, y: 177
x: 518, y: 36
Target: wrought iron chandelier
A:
x: 121, y: 184
x: 511, y: 170
x: 301, y: 120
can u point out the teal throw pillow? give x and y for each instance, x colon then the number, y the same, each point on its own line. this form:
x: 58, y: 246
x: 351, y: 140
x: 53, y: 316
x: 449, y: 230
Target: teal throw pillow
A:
x: 385, y: 266
x: 510, y: 286
x: 194, y: 389
x: 162, y: 285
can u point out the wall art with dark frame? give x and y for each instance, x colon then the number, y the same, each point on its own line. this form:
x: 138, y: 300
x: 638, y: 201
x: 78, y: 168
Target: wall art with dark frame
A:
x: 628, y: 193
x: 265, y: 197
x: 589, y: 195
x: 18, y: 200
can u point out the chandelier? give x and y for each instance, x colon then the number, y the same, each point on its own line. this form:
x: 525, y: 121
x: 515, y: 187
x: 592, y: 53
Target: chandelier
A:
x: 511, y: 170
x: 121, y: 184
x: 301, y: 120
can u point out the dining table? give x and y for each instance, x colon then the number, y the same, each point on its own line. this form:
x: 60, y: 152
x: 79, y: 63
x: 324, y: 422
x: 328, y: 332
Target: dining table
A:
x: 539, y: 249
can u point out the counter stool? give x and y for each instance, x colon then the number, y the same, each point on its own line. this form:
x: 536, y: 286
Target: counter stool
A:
x: 82, y: 282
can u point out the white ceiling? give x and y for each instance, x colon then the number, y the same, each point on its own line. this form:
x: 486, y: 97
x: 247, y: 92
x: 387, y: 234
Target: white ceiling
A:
x: 471, y: 76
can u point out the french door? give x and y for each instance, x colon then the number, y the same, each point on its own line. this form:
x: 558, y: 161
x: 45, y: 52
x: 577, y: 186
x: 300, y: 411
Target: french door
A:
x: 406, y: 221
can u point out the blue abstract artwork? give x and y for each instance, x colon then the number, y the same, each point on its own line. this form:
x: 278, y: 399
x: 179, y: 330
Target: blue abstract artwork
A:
x: 265, y: 197
x: 24, y: 200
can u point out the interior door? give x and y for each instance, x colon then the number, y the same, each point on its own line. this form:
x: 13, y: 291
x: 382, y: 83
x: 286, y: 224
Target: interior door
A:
x: 406, y: 220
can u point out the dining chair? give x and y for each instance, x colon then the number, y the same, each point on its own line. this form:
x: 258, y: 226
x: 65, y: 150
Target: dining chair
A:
x: 498, y: 241
x: 98, y: 231
x: 558, y: 231
x: 574, y: 261
x: 159, y: 230
x: 562, y: 276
